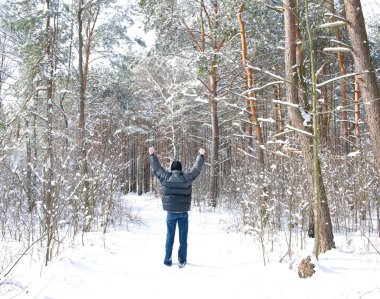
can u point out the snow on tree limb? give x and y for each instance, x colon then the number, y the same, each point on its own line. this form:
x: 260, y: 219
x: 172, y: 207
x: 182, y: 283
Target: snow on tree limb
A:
x: 246, y: 153
x: 336, y: 49
x: 336, y: 17
x: 281, y: 133
x: 285, y: 103
x: 263, y: 87
x: 336, y: 78
x: 299, y: 131
x: 340, y: 43
x: 266, y: 72
x: 260, y: 88
x: 268, y: 120
x: 333, y: 24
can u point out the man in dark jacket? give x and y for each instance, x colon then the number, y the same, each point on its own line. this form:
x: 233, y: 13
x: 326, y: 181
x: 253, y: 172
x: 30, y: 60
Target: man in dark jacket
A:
x: 176, y: 200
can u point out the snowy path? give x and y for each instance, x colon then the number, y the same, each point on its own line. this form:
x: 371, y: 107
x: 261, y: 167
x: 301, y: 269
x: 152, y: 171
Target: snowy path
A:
x: 220, y: 265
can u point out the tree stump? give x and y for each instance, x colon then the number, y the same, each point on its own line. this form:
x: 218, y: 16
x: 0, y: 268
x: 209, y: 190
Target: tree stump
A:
x: 306, y: 268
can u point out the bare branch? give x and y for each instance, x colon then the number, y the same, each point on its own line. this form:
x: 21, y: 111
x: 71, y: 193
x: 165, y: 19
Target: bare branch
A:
x: 192, y: 36
x: 279, y: 9
x: 205, y: 85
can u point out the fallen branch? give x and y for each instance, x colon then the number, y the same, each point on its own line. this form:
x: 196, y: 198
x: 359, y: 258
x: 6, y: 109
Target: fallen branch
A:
x: 22, y: 255
x: 369, y: 241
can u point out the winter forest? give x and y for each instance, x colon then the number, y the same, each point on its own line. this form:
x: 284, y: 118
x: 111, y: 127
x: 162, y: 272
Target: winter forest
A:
x: 282, y: 94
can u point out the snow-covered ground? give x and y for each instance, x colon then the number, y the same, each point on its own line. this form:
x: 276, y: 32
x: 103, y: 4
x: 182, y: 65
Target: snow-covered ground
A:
x: 129, y: 264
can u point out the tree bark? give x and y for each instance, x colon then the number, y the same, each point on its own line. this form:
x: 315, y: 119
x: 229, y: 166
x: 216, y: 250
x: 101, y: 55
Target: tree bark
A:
x: 343, y: 71
x: 357, y: 112
x: 296, y: 119
x: 253, y: 113
x: 83, y: 78
x: 31, y: 158
x: 214, y: 171
x: 49, y: 158
x: 366, y: 74
x: 82, y: 121
x: 252, y: 109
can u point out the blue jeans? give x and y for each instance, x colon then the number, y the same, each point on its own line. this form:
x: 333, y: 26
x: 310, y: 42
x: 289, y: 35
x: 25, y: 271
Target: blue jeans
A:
x: 183, y: 224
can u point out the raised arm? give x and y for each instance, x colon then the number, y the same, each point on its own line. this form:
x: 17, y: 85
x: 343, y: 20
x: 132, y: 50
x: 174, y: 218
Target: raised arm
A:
x: 197, y: 167
x: 157, y: 169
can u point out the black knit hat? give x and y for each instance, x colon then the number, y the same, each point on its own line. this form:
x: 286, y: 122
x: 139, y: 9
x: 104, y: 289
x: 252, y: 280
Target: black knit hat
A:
x: 176, y: 165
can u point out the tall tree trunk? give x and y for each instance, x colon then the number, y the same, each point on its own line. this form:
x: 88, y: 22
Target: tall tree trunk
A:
x: 296, y: 119
x: 300, y: 64
x: 342, y: 67
x: 31, y: 154
x: 49, y: 158
x: 133, y: 166
x: 214, y: 171
x: 366, y: 74
x: 93, y: 12
x: 279, y: 117
x: 29, y: 173
x: 252, y: 109
x: 216, y: 41
x: 140, y: 164
x: 357, y: 112
x: 82, y: 122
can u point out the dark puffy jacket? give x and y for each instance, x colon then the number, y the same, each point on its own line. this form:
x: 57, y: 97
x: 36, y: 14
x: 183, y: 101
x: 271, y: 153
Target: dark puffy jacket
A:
x: 176, y: 185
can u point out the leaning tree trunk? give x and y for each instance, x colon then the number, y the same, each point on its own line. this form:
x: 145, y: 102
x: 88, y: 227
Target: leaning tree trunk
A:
x: 296, y: 119
x: 366, y: 74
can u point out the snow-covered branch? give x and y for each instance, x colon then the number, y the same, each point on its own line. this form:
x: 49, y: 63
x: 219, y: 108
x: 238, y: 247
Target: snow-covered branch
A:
x: 246, y: 153
x: 338, y: 42
x: 281, y: 133
x: 299, y: 131
x: 266, y: 120
x: 286, y: 103
x: 25, y: 104
x: 336, y: 49
x: 336, y: 78
x: 266, y: 72
x: 333, y: 24
x: 336, y: 17
x: 262, y: 87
